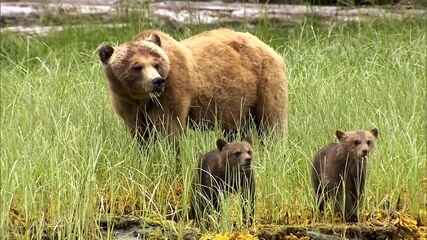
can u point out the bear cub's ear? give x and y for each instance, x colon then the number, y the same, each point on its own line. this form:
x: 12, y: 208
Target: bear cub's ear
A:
x: 154, y: 38
x: 220, y: 143
x: 340, y: 135
x: 374, y: 132
x: 105, y: 51
x: 247, y: 139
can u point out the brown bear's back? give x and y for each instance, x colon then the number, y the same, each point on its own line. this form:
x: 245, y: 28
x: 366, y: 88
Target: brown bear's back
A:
x: 232, y: 65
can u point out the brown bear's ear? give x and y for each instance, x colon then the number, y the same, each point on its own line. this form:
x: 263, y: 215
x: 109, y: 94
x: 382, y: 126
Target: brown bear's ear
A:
x: 154, y: 38
x: 220, y: 143
x: 340, y: 135
x: 105, y: 52
x: 374, y: 132
x: 247, y: 139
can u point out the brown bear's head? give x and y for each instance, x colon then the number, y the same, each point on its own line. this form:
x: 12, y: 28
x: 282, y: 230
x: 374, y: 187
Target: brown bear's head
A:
x: 138, y: 69
x: 358, y: 143
x: 236, y: 154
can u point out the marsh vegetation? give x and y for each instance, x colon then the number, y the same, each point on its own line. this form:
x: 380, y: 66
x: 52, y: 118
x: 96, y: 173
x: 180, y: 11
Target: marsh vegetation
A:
x: 67, y: 161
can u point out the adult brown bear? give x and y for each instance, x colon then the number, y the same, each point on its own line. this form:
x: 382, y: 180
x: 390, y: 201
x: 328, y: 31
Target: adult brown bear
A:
x: 220, y: 76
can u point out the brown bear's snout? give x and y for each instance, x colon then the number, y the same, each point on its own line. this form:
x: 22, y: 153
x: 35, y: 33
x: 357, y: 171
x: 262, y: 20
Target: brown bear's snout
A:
x: 365, y: 152
x: 246, y: 159
x: 158, y: 84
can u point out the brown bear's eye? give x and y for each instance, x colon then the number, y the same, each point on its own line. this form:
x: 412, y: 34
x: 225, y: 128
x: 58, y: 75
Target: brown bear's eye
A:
x: 157, y: 67
x: 137, y: 67
x: 237, y: 153
x: 357, y: 142
x: 369, y: 142
x: 250, y: 152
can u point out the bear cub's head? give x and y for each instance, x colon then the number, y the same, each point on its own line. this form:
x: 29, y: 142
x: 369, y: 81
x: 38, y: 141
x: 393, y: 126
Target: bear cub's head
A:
x: 236, y: 155
x: 137, y: 68
x: 358, y: 143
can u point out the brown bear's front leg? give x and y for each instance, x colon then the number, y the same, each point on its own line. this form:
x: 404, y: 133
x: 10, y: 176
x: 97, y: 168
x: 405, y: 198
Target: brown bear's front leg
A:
x: 175, y: 128
x: 133, y: 117
x: 170, y: 121
x: 177, y: 122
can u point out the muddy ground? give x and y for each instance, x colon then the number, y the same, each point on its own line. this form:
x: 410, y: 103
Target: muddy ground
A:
x: 379, y: 226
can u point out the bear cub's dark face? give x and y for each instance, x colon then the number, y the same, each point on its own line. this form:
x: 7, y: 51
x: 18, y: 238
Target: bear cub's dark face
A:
x: 139, y: 68
x: 358, y: 143
x: 236, y: 154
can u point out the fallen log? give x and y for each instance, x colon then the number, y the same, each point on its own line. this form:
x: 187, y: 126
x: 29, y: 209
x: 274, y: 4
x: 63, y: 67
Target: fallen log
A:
x: 28, y: 13
x: 186, y: 12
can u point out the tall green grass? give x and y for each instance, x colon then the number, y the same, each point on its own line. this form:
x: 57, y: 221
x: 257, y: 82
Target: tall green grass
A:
x: 67, y: 160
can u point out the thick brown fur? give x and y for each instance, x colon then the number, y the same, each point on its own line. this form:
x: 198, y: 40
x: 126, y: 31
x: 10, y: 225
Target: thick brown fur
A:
x: 339, y: 171
x: 226, y: 169
x: 217, y: 76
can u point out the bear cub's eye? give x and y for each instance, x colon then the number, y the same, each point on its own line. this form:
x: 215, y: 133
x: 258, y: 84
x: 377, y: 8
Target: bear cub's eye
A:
x: 157, y: 66
x: 137, y: 67
x: 250, y: 152
x: 357, y: 142
x: 237, y: 153
x: 369, y: 142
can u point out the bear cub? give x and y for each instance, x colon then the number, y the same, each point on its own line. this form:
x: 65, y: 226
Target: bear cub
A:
x: 226, y: 169
x: 339, y: 171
